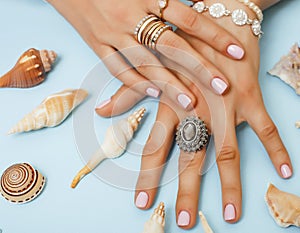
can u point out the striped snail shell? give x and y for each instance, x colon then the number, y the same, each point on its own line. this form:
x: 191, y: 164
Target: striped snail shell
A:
x: 21, y: 183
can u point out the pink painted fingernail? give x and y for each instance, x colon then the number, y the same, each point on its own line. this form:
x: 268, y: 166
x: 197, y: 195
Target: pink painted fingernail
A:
x: 183, y: 219
x: 103, y: 103
x: 219, y: 85
x: 286, y: 171
x: 184, y: 100
x: 229, y: 212
x: 142, y: 200
x: 235, y: 51
x: 153, y: 92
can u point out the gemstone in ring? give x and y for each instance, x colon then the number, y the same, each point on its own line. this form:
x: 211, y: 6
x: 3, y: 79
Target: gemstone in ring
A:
x: 192, y: 134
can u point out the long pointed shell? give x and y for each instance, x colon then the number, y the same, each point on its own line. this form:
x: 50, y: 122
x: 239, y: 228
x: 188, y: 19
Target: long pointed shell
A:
x: 156, y: 223
x: 115, y: 142
x: 205, y: 224
x: 51, y: 112
x: 284, y: 207
x: 29, y: 70
x: 288, y: 68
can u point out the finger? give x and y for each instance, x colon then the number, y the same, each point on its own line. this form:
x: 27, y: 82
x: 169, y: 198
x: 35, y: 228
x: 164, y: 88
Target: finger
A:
x: 177, y: 49
x: 268, y: 134
x: 201, y: 27
x: 189, y: 188
x: 123, y: 100
x: 149, y: 66
x: 126, y: 74
x: 154, y: 156
x: 228, y: 160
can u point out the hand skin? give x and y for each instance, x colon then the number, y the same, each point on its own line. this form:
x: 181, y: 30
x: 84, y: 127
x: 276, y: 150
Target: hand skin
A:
x: 108, y: 26
x: 225, y: 113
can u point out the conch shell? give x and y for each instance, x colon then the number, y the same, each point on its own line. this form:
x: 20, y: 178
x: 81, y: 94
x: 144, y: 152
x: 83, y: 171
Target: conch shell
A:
x: 51, y: 112
x: 205, y: 224
x: 283, y: 206
x: 288, y: 68
x: 29, y: 70
x: 115, y: 142
x: 156, y: 223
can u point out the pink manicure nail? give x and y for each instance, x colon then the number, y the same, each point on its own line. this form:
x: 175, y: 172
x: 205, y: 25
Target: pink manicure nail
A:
x: 103, y: 103
x: 219, y: 85
x: 142, y: 200
x: 183, y: 219
x: 286, y: 171
x: 229, y: 212
x: 235, y: 51
x: 184, y: 100
x: 153, y: 92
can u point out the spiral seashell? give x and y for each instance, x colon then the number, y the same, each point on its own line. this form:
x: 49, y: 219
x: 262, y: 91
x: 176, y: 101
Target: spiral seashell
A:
x: 21, y: 183
x: 156, y: 223
x: 206, y: 227
x: 29, y: 70
x: 284, y: 207
x: 115, y: 142
x: 51, y: 112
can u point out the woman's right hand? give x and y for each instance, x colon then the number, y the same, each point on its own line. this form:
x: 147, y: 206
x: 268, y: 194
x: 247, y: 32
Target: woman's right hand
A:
x: 108, y: 26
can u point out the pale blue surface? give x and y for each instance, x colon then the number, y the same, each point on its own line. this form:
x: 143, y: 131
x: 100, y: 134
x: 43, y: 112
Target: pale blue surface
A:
x: 95, y: 206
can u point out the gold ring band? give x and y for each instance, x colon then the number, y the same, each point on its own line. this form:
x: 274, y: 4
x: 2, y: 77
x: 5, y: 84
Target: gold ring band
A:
x: 162, y: 6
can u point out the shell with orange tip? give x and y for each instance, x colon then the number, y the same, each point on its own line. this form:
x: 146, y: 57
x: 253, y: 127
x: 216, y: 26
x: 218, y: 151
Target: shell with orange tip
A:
x: 115, y: 142
x: 284, y: 207
x: 30, y: 70
x: 156, y: 224
x: 52, y: 111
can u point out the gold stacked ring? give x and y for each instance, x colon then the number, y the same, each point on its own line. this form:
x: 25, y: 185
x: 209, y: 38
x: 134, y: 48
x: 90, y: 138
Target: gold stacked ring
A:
x: 162, y: 6
x: 149, y: 29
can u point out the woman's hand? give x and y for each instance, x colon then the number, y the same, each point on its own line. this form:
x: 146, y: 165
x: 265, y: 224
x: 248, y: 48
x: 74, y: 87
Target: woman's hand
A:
x: 108, y: 26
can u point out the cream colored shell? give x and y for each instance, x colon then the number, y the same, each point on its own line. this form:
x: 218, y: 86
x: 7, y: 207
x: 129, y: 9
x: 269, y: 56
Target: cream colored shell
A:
x: 206, y: 227
x: 51, y: 112
x: 21, y: 183
x: 156, y: 224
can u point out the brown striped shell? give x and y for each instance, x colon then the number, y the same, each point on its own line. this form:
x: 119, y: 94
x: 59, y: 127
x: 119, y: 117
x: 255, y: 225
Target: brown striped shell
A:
x: 21, y: 183
x: 29, y: 70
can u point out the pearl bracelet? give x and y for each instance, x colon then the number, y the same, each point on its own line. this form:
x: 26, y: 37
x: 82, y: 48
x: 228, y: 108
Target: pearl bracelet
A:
x: 254, y: 8
x: 238, y: 16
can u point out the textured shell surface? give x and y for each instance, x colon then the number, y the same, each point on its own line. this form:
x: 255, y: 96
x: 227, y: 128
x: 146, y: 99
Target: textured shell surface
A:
x: 21, y: 183
x: 29, y: 70
x: 52, y: 111
x: 156, y: 223
x: 284, y: 207
x: 288, y: 68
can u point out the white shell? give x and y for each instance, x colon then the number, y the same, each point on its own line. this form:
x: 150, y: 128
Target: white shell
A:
x: 284, y: 207
x: 156, y: 223
x: 288, y: 68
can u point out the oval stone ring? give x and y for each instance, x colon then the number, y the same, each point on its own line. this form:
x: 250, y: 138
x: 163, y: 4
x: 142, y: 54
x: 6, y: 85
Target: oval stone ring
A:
x: 192, y: 134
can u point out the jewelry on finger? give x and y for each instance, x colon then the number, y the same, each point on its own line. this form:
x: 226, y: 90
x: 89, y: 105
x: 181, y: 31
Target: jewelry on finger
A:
x: 192, y: 134
x: 162, y: 6
x: 238, y: 16
x: 254, y: 8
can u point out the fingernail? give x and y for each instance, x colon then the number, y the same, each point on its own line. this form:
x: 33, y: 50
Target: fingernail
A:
x: 219, y: 85
x: 184, y: 100
x: 152, y: 92
x: 141, y: 200
x: 286, y: 171
x: 183, y: 219
x: 235, y: 51
x: 103, y: 103
x: 229, y: 212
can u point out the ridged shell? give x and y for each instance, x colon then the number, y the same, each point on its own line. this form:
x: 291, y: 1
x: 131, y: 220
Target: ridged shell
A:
x: 156, y: 224
x: 29, y: 70
x: 21, y: 183
x: 284, y: 207
x: 51, y: 112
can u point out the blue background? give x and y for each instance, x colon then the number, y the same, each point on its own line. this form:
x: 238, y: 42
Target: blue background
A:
x: 96, y: 206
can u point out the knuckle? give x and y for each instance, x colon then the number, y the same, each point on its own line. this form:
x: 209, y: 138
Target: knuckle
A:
x: 232, y: 189
x: 169, y: 41
x: 218, y: 36
x: 190, y: 20
x: 268, y: 131
x: 199, y: 68
x: 227, y: 153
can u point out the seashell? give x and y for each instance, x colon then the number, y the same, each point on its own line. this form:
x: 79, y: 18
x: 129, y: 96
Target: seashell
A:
x: 205, y: 224
x: 21, y: 183
x: 297, y: 124
x: 288, y: 68
x: 29, y: 70
x: 156, y: 223
x: 115, y: 142
x: 52, y: 111
x: 283, y: 206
